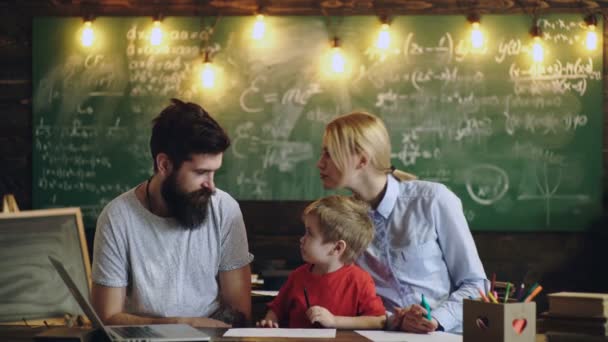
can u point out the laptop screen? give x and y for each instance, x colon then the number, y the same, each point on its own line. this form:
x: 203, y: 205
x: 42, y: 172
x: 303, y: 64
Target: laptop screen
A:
x: 165, y: 332
x: 82, y: 301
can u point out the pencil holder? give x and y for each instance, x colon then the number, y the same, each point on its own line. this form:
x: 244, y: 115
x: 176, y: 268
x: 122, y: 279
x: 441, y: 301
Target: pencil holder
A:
x: 511, y: 322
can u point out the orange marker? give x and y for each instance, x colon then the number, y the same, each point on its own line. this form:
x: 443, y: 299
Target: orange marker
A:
x: 533, y: 294
x: 483, y: 296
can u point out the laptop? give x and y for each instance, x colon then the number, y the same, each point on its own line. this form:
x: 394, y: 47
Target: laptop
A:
x: 130, y: 333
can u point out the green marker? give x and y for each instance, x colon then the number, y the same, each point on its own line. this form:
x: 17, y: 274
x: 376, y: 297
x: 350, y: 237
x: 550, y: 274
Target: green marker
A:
x: 427, y: 307
x: 507, y: 291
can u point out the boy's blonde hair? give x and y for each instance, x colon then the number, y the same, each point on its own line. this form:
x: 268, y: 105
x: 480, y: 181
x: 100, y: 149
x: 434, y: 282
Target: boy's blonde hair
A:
x: 361, y: 132
x: 343, y: 218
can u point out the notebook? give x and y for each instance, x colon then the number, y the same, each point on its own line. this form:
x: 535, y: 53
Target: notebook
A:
x: 132, y: 333
x: 579, y: 304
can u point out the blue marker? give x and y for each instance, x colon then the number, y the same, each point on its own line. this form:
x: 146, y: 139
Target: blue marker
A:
x: 427, y: 307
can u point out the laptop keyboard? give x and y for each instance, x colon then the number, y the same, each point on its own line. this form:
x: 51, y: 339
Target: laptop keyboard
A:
x: 136, y: 332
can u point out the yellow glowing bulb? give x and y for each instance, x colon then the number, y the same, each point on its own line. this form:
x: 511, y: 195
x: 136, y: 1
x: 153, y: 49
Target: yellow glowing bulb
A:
x: 337, y: 60
x: 591, y: 40
x: 537, y: 50
x: 259, y: 27
x: 384, y: 37
x: 476, y: 37
x: 88, y: 36
x: 156, y: 36
x: 207, y: 76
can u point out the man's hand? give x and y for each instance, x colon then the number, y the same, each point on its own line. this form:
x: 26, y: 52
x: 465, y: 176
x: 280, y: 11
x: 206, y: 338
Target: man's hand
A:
x: 267, y: 323
x: 413, y: 319
x: 322, y: 316
x: 202, y: 322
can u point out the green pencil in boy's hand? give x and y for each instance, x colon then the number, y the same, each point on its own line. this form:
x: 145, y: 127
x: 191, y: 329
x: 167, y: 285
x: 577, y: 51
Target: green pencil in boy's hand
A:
x: 427, y: 307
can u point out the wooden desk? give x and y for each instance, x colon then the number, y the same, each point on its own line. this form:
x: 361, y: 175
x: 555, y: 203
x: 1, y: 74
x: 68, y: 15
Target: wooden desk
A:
x: 341, y: 336
x: 22, y: 334
x: 14, y: 334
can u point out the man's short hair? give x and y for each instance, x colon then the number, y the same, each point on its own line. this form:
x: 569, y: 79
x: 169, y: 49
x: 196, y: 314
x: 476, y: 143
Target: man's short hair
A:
x: 183, y: 129
x: 343, y: 218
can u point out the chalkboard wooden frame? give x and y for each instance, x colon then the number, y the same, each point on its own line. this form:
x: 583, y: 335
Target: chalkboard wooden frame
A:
x: 74, y: 214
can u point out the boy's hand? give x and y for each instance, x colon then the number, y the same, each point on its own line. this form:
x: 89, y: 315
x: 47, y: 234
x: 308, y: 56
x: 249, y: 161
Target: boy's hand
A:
x: 413, y: 319
x: 267, y: 323
x: 322, y: 316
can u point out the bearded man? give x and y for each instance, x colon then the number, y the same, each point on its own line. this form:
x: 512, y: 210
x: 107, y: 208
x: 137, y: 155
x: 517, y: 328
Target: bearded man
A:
x: 174, y: 248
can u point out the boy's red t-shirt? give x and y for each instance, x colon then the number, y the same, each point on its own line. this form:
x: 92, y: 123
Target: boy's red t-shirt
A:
x: 349, y: 291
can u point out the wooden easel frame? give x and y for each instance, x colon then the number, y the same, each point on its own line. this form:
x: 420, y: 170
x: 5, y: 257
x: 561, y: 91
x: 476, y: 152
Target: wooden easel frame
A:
x: 9, y: 204
x: 76, y: 213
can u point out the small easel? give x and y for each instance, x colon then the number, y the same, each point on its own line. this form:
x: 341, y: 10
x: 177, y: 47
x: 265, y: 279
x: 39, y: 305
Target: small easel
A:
x: 9, y: 204
x: 67, y: 328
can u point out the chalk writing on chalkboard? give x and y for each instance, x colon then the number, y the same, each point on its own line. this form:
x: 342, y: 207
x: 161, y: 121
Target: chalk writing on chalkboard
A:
x: 505, y: 134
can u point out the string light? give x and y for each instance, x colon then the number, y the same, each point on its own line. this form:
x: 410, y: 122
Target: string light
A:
x: 259, y: 28
x: 156, y: 35
x: 477, y: 40
x: 337, y: 59
x: 538, y: 53
x: 591, y: 38
x: 88, y: 35
x: 384, y: 36
x: 207, y: 73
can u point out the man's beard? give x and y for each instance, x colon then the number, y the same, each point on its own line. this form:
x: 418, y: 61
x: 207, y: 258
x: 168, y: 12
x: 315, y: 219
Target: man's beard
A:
x: 188, y: 208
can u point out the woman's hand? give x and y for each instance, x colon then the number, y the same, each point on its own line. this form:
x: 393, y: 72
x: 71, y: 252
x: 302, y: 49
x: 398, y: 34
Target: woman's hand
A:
x: 413, y: 319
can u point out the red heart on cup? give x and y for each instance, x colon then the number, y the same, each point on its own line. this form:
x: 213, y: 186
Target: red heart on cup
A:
x: 519, y: 324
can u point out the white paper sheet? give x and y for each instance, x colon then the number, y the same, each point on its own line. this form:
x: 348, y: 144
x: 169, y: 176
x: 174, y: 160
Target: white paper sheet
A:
x: 281, y: 332
x: 265, y: 293
x: 397, y: 336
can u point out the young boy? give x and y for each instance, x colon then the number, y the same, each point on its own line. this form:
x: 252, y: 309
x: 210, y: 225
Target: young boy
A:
x: 329, y: 289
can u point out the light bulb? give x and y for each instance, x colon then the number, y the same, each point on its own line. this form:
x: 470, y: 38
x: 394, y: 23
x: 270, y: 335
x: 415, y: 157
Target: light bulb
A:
x: 259, y: 27
x: 207, y: 75
x: 384, y: 37
x: 537, y: 50
x: 88, y: 36
x: 591, y: 40
x: 476, y: 36
x: 337, y: 60
x: 156, y: 35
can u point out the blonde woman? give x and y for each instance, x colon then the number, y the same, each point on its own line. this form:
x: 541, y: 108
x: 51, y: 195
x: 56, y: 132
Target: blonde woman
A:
x: 422, y: 243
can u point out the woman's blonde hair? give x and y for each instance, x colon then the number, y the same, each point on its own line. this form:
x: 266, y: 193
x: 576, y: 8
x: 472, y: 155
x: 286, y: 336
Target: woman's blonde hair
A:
x: 357, y: 133
x: 343, y: 218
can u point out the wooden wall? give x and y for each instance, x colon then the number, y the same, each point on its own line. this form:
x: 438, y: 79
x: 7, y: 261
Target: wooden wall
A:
x: 572, y: 261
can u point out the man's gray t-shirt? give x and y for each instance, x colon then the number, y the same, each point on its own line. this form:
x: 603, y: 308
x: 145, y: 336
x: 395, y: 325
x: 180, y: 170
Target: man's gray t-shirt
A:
x: 169, y: 271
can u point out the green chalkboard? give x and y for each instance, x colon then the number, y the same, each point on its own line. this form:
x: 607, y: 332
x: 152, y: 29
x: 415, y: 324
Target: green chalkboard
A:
x: 520, y: 143
x: 30, y: 288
